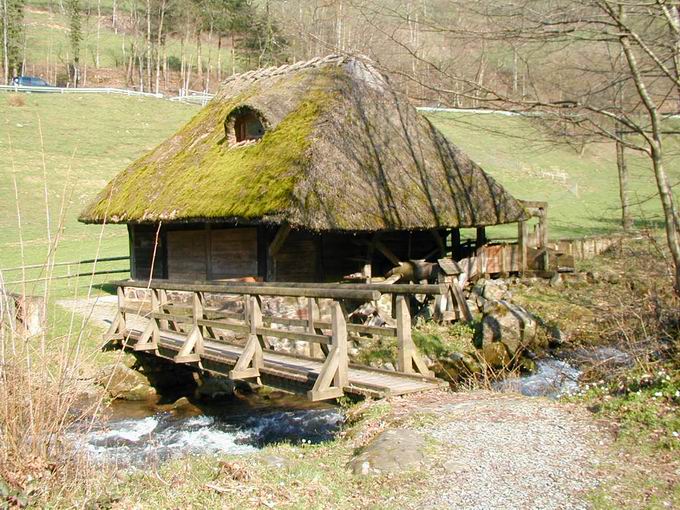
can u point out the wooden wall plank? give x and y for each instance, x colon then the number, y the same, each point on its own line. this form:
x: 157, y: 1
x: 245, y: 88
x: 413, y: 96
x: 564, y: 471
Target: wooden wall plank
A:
x: 187, y: 255
x: 233, y: 253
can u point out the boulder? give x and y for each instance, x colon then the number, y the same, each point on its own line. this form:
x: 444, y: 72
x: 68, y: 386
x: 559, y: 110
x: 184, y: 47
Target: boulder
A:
x: 125, y: 383
x: 214, y: 387
x: 495, y: 354
x: 496, y: 290
x: 393, y: 451
x: 456, y: 366
x: 507, y: 323
x: 556, y: 280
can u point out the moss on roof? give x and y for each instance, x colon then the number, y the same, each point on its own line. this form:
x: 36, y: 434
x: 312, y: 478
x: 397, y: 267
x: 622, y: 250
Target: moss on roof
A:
x: 342, y: 152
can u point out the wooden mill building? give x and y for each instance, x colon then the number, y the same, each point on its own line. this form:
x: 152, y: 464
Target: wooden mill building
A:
x: 306, y: 172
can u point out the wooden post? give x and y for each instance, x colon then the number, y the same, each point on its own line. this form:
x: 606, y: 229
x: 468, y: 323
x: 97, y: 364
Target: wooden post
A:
x: 274, y: 248
x: 407, y: 356
x: 198, y: 315
x: 193, y: 346
x: 163, y: 302
x: 151, y: 335
x: 252, y: 358
x: 339, y: 339
x: 481, y: 237
x: 522, y: 233
x: 455, y: 243
x: 543, y: 228
x: 118, y: 330
x: 333, y: 376
x: 314, y: 348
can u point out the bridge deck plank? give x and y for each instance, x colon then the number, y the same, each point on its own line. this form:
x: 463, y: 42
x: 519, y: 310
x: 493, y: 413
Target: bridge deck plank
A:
x: 362, y: 380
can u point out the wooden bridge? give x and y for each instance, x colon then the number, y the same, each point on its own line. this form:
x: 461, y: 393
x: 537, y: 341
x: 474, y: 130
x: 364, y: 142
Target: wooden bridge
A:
x: 222, y: 328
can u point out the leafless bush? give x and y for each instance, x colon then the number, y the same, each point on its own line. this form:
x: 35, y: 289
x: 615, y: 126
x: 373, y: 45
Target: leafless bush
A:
x: 41, y: 398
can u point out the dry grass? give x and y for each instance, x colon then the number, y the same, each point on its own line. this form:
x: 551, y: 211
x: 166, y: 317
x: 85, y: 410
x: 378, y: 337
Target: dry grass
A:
x: 44, y: 389
x: 16, y: 100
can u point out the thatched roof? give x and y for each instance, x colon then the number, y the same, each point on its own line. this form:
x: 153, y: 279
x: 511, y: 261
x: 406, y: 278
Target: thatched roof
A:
x: 342, y: 151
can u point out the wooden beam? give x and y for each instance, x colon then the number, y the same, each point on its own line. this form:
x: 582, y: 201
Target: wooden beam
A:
x: 455, y: 242
x: 335, y: 291
x: 522, y: 244
x: 408, y: 356
x: 280, y: 238
x: 334, y: 374
x: 481, y: 237
x: 252, y: 359
x: 440, y: 243
x: 389, y: 255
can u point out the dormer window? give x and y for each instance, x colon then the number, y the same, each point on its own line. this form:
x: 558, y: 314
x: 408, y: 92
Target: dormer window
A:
x: 244, y: 125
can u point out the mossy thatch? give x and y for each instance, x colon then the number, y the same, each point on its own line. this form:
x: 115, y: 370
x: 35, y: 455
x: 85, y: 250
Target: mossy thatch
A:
x: 342, y: 151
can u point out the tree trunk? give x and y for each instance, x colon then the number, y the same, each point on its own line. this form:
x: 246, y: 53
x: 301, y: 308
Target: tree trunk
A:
x: 158, y: 46
x: 5, y: 42
x: 626, y: 219
x: 99, y: 27
x: 670, y: 213
x: 148, y: 45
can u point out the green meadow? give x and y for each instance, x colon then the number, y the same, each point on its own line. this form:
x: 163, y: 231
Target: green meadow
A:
x: 60, y: 151
x: 581, y: 188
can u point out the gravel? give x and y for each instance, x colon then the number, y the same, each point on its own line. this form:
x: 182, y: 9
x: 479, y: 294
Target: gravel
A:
x: 511, y: 452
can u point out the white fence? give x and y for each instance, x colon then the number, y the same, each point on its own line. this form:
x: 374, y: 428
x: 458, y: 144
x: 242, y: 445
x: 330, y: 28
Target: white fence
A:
x: 84, y: 90
x: 189, y: 96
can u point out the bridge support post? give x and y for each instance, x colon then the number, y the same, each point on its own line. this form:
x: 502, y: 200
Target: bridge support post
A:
x: 333, y: 376
x: 152, y: 334
x: 408, y: 357
x: 251, y: 360
x: 193, y: 346
x: 117, y: 330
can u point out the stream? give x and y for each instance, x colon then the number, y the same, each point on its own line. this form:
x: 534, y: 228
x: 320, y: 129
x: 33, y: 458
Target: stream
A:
x: 559, y: 376
x: 135, y: 434
x: 143, y: 432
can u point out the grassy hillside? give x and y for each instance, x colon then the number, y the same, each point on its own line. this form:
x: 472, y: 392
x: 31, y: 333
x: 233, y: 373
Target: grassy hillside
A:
x: 85, y: 141
x: 581, y: 189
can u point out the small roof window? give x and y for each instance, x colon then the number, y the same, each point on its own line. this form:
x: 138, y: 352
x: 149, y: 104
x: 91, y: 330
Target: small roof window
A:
x: 244, y: 125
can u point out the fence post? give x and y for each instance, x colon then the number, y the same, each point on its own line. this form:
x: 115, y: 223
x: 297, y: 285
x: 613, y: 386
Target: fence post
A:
x: 251, y: 360
x: 522, y: 233
x: 333, y: 375
x: 198, y: 314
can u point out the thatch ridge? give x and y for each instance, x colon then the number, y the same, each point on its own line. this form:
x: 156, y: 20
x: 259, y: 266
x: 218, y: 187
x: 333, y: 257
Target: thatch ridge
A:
x: 343, y: 151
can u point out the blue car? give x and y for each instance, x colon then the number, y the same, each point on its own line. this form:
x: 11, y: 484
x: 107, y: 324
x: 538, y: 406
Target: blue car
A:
x: 29, y: 81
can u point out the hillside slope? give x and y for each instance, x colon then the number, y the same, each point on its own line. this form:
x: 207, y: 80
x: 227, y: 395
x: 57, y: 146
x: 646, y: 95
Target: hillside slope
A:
x: 581, y: 189
x: 84, y: 140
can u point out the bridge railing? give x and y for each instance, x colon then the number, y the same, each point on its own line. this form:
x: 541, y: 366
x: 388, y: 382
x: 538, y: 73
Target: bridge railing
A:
x: 197, y: 312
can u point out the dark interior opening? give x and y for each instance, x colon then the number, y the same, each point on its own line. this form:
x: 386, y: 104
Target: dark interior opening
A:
x: 247, y: 126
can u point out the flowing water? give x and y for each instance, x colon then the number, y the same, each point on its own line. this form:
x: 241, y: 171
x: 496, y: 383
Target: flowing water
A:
x: 555, y: 377
x: 138, y: 433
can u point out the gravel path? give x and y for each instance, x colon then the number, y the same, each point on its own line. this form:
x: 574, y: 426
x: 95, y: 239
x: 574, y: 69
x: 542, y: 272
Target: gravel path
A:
x: 500, y: 451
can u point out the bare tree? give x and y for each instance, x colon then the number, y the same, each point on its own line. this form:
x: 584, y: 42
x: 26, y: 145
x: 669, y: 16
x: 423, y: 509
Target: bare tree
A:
x: 607, y: 68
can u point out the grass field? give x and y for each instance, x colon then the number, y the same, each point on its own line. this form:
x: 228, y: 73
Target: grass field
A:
x: 87, y: 139
x: 581, y: 189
